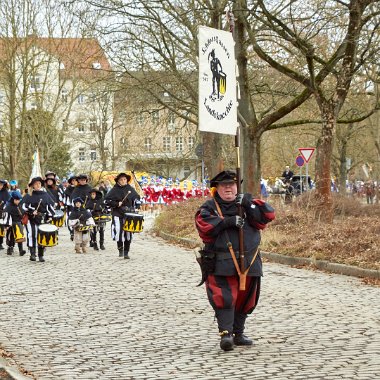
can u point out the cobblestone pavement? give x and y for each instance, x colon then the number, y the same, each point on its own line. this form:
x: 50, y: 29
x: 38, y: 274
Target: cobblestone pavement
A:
x: 98, y: 316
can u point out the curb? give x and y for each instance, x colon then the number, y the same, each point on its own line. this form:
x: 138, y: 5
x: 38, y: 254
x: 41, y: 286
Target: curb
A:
x: 11, y: 371
x: 278, y: 258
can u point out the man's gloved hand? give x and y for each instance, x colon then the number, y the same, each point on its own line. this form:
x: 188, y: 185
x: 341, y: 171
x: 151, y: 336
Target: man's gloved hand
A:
x: 244, y: 200
x: 233, y: 221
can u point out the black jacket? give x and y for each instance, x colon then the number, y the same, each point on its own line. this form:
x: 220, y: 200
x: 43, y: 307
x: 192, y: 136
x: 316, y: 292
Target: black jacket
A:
x: 40, y: 199
x: 80, y: 213
x: 82, y: 191
x: 127, y: 194
x: 13, y: 213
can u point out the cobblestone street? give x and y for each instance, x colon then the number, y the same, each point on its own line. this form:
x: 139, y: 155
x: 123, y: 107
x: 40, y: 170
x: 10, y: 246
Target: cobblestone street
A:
x: 98, y: 316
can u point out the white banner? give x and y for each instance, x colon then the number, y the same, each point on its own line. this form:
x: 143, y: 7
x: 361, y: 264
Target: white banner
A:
x: 217, y: 82
x: 36, y: 167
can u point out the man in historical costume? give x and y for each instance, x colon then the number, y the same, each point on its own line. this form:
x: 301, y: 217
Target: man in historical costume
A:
x: 72, y: 183
x: 218, y: 224
x: 40, y: 209
x: 122, y: 199
x: 82, y: 189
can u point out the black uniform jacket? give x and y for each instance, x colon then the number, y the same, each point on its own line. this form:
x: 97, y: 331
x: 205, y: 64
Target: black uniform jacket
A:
x: 4, y: 198
x: 82, y: 191
x: 40, y: 199
x: 53, y: 192
x: 215, y: 236
x: 96, y: 206
x: 117, y: 194
x: 13, y: 213
x: 80, y: 213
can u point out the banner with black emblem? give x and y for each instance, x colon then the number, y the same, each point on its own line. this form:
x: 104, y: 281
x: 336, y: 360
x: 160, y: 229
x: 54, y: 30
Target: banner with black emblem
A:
x: 217, y: 82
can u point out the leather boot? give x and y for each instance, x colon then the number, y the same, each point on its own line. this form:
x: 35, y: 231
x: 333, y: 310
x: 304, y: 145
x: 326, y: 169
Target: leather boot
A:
x: 102, y: 247
x: 21, y: 249
x: 242, y: 340
x: 41, y: 254
x: 32, y: 254
x: 10, y: 251
x: 92, y: 243
x: 226, y: 341
x: 120, y: 248
x: 101, y: 239
x: 127, y: 244
x: 95, y: 245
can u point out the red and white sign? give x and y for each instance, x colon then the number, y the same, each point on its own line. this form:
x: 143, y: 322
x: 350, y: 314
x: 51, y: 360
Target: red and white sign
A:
x: 306, y: 153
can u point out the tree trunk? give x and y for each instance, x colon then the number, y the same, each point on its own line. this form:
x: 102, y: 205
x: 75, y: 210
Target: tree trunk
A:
x: 343, y: 166
x: 324, y: 210
x: 252, y: 166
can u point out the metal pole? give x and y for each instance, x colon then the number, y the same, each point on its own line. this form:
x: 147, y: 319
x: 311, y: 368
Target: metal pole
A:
x: 203, y: 176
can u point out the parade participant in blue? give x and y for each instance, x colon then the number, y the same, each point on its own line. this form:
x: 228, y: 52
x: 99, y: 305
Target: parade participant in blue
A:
x: 96, y: 206
x: 218, y: 225
x: 82, y: 189
x: 73, y: 181
x: 4, y: 198
x: 122, y: 199
x: 15, y: 229
x: 40, y: 209
x: 81, y: 221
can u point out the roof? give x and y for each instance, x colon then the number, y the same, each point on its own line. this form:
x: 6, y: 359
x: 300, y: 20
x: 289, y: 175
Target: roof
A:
x: 78, y: 57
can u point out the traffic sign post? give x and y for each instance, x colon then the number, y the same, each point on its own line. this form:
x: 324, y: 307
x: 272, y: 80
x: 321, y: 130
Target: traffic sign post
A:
x: 306, y: 154
x: 300, y: 161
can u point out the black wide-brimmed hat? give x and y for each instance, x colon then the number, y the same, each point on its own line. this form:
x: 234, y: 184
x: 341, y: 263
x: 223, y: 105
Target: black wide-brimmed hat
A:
x: 78, y: 199
x: 71, y: 179
x: 36, y: 179
x: 99, y: 194
x: 127, y: 176
x: 82, y: 176
x: 226, y: 176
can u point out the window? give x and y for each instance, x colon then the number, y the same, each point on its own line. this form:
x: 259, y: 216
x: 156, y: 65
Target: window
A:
x: 155, y: 117
x: 148, y: 144
x: 81, y: 154
x: 171, y: 122
x: 33, y: 106
x: 64, y: 95
x: 124, y: 143
x: 186, y: 171
x: 140, y: 119
x: 179, y: 144
x: 35, y: 82
x: 81, y: 127
x: 81, y: 99
x: 93, y: 155
x: 92, y: 125
x: 166, y: 143
x: 191, y: 142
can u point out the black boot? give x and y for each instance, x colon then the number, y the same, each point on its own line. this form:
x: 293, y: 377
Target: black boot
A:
x: 41, y: 254
x: 1, y: 246
x: 91, y: 243
x: 120, y: 248
x: 127, y: 245
x: 95, y: 245
x: 101, y: 239
x: 32, y: 254
x: 10, y: 251
x: 21, y: 249
x: 242, y: 340
x: 102, y: 247
x: 226, y: 341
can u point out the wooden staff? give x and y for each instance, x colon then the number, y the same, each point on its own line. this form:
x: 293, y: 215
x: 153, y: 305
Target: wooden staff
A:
x: 242, y: 275
x: 122, y: 201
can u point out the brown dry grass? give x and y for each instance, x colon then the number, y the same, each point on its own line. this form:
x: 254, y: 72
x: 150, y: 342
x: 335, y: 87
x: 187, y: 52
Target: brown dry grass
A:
x: 353, y: 238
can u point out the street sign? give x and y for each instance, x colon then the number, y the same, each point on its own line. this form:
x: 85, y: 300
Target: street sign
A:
x: 300, y: 161
x: 306, y: 153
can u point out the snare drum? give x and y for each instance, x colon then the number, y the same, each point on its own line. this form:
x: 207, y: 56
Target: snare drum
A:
x: 83, y: 228
x: 47, y: 235
x: 58, y: 218
x: 102, y: 218
x: 2, y: 228
x: 18, y: 232
x: 133, y: 222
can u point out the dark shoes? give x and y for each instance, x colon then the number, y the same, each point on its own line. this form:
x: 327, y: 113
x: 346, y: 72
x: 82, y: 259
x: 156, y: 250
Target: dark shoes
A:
x: 1, y: 246
x: 102, y: 247
x: 41, y: 259
x: 242, y: 340
x: 32, y: 257
x: 22, y: 253
x: 95, y: 245
x: 126, y: 255
x: 91, y: 243
x: 226, y: 341
x: 121, y: 253
x: 10, y: 251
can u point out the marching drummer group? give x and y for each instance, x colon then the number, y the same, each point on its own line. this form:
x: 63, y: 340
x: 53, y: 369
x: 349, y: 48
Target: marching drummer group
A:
x: 35, y: 218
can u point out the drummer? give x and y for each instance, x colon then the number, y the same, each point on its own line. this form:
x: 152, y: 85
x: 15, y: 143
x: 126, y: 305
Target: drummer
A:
x: 53, y: 190
x: 12, y: 219
x: 122, y: 198
x: 79, y: 218
x: 72, y: 181
x: 40, y: 209
x: 4, y: 197
x: 97, y: 208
